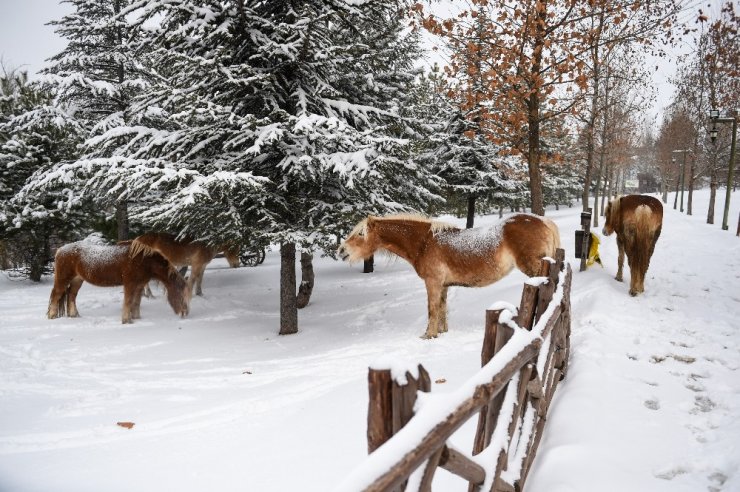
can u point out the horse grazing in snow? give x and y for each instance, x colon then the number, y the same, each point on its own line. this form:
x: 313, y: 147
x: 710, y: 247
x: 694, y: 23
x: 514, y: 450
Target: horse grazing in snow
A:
x: 183, y: 253
x: 108, y: 266
x: 444, y: 255
x: 637, y: 220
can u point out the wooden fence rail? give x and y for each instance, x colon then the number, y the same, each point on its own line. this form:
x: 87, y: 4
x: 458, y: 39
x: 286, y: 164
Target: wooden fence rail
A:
x: 524, y: 355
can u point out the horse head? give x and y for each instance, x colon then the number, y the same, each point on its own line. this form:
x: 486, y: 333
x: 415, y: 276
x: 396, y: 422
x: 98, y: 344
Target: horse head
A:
x: 231, y: 253
x: 612, y: 215
x: 361, y: 243
x: 179, y: 292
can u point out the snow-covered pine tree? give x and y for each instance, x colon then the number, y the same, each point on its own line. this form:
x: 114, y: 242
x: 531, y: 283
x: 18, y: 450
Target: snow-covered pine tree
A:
x: 97, y: 74
x: 474, y: 170
x: 35, y: 136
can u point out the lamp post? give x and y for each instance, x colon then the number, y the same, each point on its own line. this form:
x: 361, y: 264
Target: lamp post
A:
x: 683, y: 172
x: 715, y: 118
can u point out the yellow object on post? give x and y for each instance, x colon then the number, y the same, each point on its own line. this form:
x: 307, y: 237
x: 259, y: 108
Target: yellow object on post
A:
x: 593, y: 251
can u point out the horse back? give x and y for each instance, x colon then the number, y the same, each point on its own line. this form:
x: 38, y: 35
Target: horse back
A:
x: 530, y: 234
x: 640, y: 213
x: 179, y: 253
x: 99, y: 265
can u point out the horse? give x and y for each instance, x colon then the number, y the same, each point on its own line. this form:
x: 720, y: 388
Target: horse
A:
x: 182, y: 253
x: 109, y: 266
x: 637, y: 220
x: 443, y: 255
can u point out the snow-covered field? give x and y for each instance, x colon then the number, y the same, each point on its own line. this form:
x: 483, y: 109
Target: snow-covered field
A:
x: 220, y: 402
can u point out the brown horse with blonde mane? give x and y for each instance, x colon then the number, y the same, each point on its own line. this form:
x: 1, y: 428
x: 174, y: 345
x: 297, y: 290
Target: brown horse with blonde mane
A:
x: 182, y: 253
x: 109, y: 266
x: 637, y: 220
x: 444, y: 255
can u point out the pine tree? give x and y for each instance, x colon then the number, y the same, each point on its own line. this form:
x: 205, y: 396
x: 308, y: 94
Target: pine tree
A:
x: 35, y: 136
x: 98, y: 75
x: 473, y: 169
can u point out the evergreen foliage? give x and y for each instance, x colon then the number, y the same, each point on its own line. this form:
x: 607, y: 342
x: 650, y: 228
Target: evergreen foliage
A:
x: 275, y: 119
x: 35, y: 136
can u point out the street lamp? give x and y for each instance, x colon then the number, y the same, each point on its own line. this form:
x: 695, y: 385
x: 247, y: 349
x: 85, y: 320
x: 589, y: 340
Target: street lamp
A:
x: 715, y: 118
x: 683, y: 172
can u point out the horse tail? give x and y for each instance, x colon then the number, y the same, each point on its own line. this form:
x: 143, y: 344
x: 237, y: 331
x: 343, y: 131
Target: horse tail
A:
x: 555, y: 233
x: 643, y: 242
x: 63, y: 302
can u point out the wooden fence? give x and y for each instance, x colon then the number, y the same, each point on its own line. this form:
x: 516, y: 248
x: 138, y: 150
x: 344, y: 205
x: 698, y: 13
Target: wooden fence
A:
x: 524, y: 356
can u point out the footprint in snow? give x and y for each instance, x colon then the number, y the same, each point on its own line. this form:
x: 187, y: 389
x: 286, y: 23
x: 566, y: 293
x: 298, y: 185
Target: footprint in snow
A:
x: 652, y: 404
x: 671, y: 473
x: 702, y: 404
x: 719, y: 479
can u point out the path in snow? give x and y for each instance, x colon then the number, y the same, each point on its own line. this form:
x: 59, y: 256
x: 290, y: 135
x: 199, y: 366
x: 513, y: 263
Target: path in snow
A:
x: 654, y: 378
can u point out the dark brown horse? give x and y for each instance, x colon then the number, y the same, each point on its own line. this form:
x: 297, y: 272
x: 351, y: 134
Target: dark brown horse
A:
x: 637, y: 220
x: 445, y: 256
x: 182, y: 253
x: 109, y: 266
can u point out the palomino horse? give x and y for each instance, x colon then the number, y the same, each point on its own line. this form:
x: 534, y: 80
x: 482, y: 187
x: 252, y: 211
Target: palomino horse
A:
x: 182, y: 253
x: 637, y: 220
x: 444, y: 255
x: 108, y: 266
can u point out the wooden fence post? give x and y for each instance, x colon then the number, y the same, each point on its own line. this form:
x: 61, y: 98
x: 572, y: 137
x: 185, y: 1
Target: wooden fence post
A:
x: 380, y: 408
x: 495, y: 337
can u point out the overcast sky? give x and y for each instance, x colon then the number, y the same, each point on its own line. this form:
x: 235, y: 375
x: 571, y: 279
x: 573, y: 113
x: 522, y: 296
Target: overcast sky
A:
x: 26, y: 41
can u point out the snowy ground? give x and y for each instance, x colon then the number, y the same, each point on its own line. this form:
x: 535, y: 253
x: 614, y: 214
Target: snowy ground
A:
x: 220, y: 402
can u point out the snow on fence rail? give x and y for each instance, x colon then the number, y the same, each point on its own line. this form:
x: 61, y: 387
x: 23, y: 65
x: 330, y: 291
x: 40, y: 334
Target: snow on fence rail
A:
x: 524, y: 356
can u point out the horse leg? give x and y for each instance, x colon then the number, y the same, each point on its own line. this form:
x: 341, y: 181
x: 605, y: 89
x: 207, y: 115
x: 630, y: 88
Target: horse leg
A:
x: 196, y: 276
x: 636, y: 281
x: 443, y: 311
x: 72, y: 290
x: 653, y: 242
x: 136, y: 306
x: 128, y: 301
x: 434, y: 296
x: 620, y: 259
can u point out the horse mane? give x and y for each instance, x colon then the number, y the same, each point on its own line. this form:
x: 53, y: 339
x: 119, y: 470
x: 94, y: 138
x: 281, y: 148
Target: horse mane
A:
x: 435, y: 225
x: 137, y: 247
x: 616, y: 205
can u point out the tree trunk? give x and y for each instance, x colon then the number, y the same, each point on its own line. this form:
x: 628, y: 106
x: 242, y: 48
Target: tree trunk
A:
x: 678, y: 187
x: 664, y: 188
x: 38, y: 261
x: 533, y: 159
x: 593, y: 112
x: 691, y: 187
x: 712, y: 194
x: 122, y: 220
x: 471, y: 212
x: 307, y: 277
x: 288, y: 307
x: 597, y: 190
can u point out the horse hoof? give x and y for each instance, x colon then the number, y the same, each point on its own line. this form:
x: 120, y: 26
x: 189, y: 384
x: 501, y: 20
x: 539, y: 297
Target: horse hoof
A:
x: 618, y: 279
x: 427, y: 336
x: 633, y: 293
